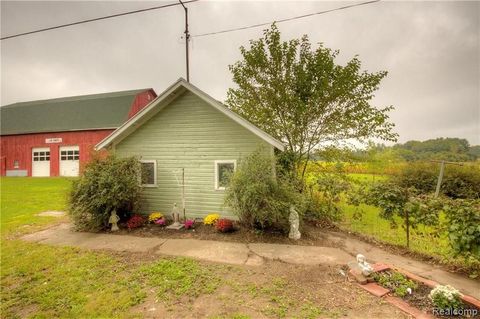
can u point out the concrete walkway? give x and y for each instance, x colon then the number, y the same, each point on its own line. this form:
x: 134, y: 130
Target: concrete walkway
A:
x: 252, y: 254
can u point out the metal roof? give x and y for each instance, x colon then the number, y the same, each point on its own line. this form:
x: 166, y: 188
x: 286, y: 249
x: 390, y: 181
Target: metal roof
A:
x: 75, y: 113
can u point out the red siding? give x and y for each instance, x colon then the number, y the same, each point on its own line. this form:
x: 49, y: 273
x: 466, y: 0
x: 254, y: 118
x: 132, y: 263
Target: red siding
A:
x: 19, y: 147
x: 141, y: 100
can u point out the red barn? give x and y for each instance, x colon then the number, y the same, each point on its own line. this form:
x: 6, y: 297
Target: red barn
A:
x: 54, y: 137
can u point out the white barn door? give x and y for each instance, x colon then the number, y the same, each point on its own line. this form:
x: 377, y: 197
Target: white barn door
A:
x: 69, y: 160
x: 41, y: 161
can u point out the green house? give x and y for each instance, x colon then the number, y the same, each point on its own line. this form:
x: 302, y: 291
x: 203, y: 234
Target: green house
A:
x: 186, y: 135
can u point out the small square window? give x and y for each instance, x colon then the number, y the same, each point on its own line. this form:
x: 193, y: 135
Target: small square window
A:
x: 63, y: 153
x: 149, y: 173
x: 223, y: 170
x: 16, y: 164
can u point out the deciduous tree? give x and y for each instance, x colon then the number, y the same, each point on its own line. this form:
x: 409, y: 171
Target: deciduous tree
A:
x: 301, y: 96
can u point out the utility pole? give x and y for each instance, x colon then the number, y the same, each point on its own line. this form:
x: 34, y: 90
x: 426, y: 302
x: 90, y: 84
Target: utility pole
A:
x: 440, y: 175
x: 187, y: 38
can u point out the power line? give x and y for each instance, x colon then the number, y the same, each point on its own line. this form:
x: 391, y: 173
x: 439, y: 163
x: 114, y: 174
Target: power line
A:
x: 95, y: 19
x: 284, y: 20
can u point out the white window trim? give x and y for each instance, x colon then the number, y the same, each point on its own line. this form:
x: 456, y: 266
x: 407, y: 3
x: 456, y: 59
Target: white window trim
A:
x: 154, y: 173
x: 234, y: 162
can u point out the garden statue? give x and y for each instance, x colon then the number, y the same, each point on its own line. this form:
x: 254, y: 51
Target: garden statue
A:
x: 176, y: 218
x: 294, y: 224
x: 114, y: 219
x: 363, y: 265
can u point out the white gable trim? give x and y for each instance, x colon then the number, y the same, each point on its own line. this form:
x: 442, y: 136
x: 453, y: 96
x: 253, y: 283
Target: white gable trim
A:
x: 166, y: 98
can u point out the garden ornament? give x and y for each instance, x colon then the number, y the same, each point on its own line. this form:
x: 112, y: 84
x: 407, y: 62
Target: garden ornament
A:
x: 114, y: 219
x: 176, y: 218
x: 294, y: 224
x: 363, y: 265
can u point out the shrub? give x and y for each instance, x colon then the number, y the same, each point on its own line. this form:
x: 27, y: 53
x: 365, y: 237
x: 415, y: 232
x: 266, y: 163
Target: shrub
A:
x: 211, y: 219
x: 325, y: 188
x: 258, y: 198
x: 224, y: 225
x: 106, y: 184
x: 135, y: 221
x: 458, y: 181
x: 463, y: 218
x: 446, y: 297
x: 154, y: 217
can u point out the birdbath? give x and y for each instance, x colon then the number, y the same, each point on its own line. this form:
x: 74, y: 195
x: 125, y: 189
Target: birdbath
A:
x: 176, y: 218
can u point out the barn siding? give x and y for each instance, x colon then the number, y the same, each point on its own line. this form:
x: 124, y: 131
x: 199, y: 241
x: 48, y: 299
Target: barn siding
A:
x: 19, y: 147
x: 190, y: 134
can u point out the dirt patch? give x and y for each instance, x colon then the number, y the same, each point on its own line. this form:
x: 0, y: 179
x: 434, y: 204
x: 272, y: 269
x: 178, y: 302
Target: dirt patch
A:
x: 274, y: 290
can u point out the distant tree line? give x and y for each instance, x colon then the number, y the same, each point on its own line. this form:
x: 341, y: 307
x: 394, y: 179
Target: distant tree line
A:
x: 448, y: 149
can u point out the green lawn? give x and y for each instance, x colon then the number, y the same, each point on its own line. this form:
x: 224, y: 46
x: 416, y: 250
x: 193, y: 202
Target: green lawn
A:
x: 42, y: 281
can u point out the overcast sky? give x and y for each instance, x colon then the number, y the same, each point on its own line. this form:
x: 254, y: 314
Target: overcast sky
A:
x: 430, y: 49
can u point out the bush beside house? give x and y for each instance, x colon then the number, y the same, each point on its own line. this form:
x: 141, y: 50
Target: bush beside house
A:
x: 258, y: 198
x: 107, y: 184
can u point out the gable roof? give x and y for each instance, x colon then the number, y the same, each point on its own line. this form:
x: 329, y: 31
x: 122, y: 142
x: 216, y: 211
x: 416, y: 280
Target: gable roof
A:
x: 94, y: 111
x: 164, y: 99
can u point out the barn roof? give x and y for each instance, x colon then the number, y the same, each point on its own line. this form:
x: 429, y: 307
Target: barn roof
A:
x: 86, y: 112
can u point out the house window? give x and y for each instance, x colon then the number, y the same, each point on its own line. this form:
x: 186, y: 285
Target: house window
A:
x: 149, y: 173
x: 15, y: 164
x: 223, y: 171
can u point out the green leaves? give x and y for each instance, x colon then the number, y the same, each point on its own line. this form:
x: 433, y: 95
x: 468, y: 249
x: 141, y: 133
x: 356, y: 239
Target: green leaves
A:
x: 299, y: 95
x: 106, y: 184
x: 463, y: 218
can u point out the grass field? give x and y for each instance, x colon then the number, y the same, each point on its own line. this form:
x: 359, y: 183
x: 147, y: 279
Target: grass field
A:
x: 41, y: 281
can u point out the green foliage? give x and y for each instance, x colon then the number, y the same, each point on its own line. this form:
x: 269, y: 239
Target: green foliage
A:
x: 404, y: 203
x: 257, y: 197
x: 395, y: 281
x: 447, y: 149
x: 301, y: 96
x: 325, y: 188
x: 180, y: 277
x: 457, y: 182
x: 463, y: 219
x: 106, y: 184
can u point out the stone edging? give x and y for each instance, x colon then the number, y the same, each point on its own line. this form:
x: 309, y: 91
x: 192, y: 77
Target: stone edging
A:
x: 382, y: 292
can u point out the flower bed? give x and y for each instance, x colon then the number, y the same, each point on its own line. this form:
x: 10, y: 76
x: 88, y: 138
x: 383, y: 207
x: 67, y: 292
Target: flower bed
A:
x: 432, y: 299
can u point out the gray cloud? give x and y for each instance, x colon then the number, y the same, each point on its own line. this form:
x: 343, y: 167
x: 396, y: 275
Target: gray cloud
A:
x: 431, y: 50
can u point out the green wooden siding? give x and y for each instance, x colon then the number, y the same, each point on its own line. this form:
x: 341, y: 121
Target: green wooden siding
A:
x: 190, y: 134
